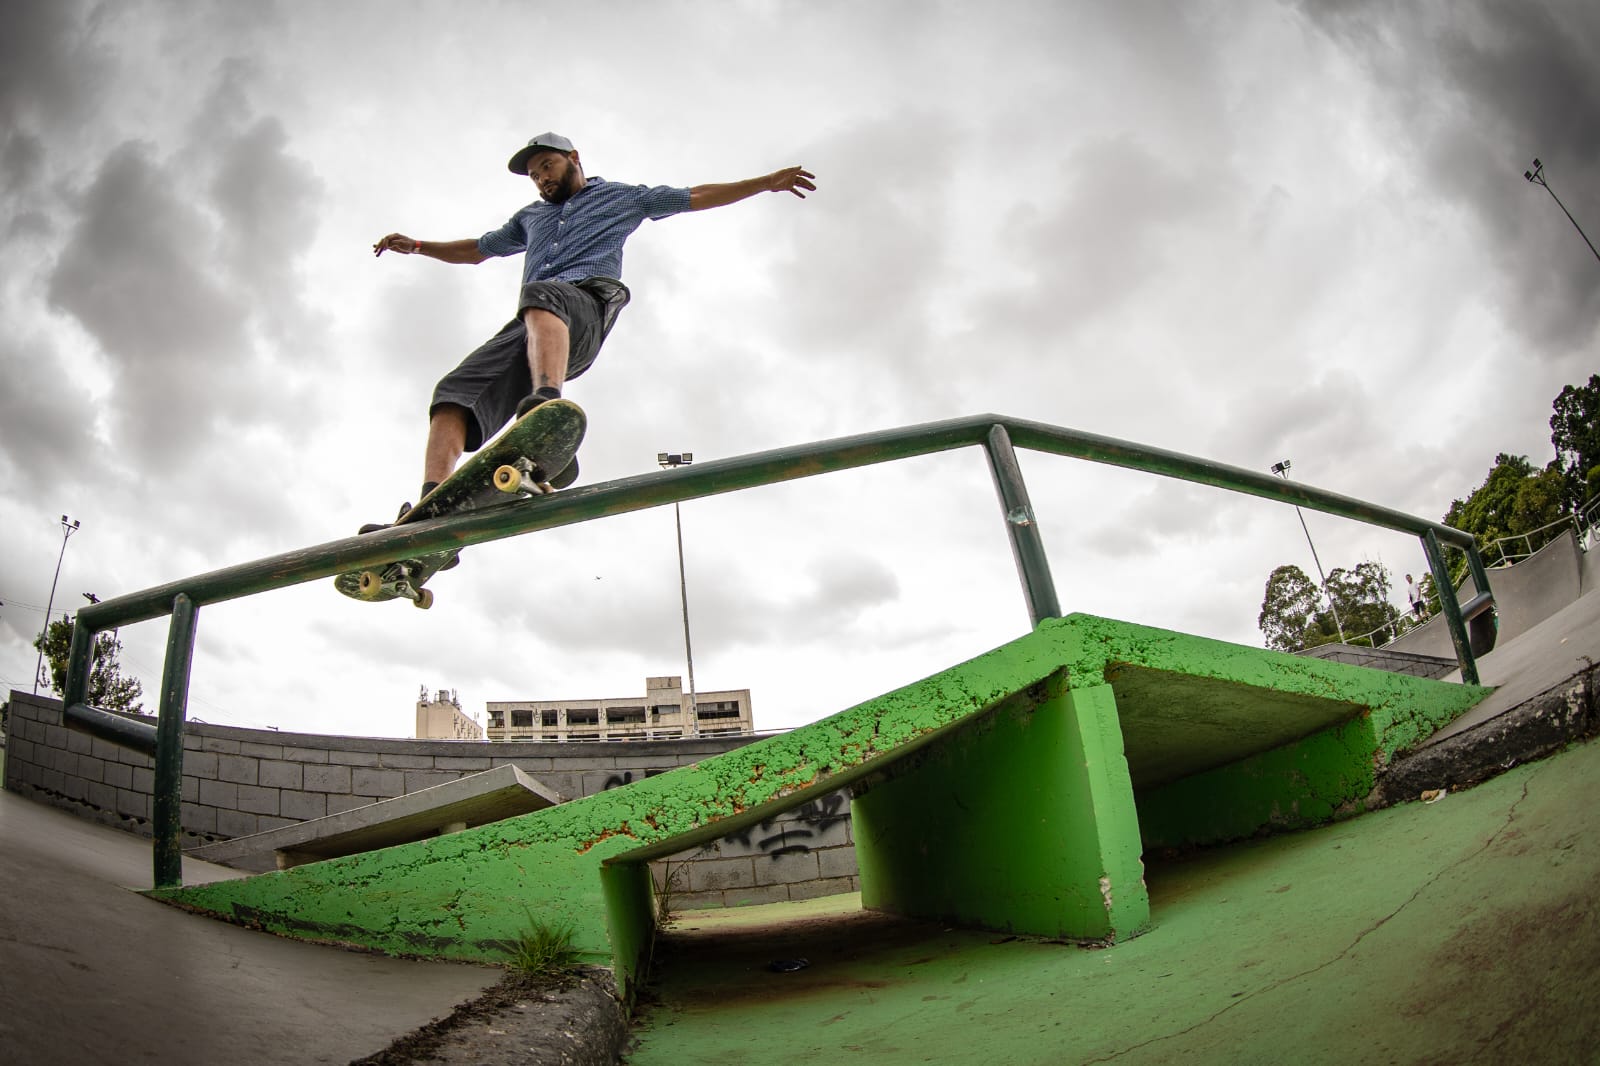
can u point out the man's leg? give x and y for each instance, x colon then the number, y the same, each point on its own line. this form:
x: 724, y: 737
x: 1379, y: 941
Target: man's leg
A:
x: 549, y: 343
x: 447, y: 439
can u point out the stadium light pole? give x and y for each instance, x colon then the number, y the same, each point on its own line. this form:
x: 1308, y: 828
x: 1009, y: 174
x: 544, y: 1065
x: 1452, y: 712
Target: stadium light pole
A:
x: 69, y: 526
x: 1282, y: 470
x: 668, y: 460
x: 1536, y: 176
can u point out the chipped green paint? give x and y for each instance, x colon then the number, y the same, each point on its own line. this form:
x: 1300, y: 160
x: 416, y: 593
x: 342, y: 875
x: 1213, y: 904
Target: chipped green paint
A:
x: 468, y: 895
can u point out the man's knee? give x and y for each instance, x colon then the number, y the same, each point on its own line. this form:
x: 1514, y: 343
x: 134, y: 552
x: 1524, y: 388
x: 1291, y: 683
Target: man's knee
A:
x: 538, y: 320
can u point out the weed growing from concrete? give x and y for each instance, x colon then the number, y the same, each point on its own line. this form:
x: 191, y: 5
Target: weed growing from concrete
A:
x: 667, y: 887
x: 544, y: 950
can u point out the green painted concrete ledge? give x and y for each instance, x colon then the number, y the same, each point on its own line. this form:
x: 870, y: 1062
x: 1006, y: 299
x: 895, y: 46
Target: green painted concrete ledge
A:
x: 1016, y: 791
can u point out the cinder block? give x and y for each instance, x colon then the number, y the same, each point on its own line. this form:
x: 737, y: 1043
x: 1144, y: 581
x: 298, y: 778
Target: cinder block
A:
x: 370, y: 781
x: 103, y: 749
x: 221, y: 794
x: 132, y: 804
x: 837, y: 862
x: 719, y: 875
x: 199, y: 819
x: 417, y: 780
x: 135, y: 758
x: 393, y: 760
x: 277, y: 774
x: 240, y: 769
x: 786, y: 869
x: 465, y: 763
x: 231, y: 823
x: 118, y: 774
x: 221, y: 745
x: 80, y: 743
x: 100, y: 795
x: 74, y: 787
x: 327, y: 779
x: 828, y: 886
x: 338, y: 804
x: 191, y: 742
x: 90, y: 769
x: 190, y: 792
x: 258, y: 800
x: 200, y: 764
x: 693, y: 901
x: 302, y: 806
x: 355, y: 758
x: 144, y: 780
x: 261, y: 751
x: 745, y: 897
x: 305, y: 755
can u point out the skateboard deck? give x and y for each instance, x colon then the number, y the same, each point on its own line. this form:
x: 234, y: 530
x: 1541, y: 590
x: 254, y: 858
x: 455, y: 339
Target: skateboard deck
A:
x: 536, y: 455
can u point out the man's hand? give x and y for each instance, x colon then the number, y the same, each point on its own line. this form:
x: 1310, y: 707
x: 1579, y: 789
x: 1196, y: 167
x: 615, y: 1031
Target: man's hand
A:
x: 792, y: 179
x: 396, y: 242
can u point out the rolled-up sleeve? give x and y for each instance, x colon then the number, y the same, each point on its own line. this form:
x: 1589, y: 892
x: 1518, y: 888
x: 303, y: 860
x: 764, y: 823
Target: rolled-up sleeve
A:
x: 662, y: 201
x: 507, y: 240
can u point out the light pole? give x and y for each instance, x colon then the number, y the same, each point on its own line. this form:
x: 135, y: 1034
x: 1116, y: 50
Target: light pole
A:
x: 1282, y: 470
x: 69, y: 526
x: 1536, y: 175
x: 666, y: 460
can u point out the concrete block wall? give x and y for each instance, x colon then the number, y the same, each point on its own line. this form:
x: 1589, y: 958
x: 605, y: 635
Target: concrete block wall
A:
x: 242, y: 781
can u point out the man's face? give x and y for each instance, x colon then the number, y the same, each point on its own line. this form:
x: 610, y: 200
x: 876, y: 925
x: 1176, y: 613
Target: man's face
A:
x: 556, y: 173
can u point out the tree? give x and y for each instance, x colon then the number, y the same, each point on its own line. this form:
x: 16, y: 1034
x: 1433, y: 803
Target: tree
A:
x: 1514, y: 500
x: 108, y: 689
x: 1575, y: 433
x: 1287, y: 608
x: 1362, y: 597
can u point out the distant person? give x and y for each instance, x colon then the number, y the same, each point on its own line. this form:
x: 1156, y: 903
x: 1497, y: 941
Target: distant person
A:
x: 571, y: 290
x: 1419, y: 602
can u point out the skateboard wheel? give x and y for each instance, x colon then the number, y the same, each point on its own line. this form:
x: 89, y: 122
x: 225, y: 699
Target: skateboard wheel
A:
x: 371, y: 585
x: 508, y: 479
x: 424, y: 599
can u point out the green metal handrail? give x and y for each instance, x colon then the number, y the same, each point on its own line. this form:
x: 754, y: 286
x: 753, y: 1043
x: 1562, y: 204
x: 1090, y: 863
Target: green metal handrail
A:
x: 997, y: 435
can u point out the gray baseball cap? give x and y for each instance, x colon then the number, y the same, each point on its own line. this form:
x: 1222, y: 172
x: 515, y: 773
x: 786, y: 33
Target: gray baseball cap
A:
x: 552, y: 141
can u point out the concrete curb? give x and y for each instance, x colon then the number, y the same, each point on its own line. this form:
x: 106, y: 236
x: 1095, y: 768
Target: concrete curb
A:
x: 1565, y: 712
x: 522, y: 1022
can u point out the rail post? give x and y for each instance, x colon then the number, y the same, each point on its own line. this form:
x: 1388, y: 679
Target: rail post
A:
x: 1027, y: 546
x: 166, y: 802
x: 1451, y: 606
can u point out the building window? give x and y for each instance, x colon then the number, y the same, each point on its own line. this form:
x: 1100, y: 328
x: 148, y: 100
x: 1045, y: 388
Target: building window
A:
x: 625, y: 716
x: 496, y: 720
x: 721, y: 709
x: 548, y: 719
x: 662, y: 709
x: 586, y: 716
x: 521, y: 719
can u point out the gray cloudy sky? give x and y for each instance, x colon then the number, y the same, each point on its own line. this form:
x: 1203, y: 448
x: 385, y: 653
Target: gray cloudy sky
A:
x: 1244, y: 232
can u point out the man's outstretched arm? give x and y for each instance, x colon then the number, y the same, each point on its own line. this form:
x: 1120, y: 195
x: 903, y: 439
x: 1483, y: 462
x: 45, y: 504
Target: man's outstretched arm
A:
x: 462, y: 251
x: 797, y: 180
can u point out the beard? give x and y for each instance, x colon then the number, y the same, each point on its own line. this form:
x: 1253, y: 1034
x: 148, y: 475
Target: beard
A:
x: 561, y: 188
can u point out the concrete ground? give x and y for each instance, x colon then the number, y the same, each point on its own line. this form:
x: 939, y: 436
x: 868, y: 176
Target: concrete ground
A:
x: 92, y: 972
x: 1461, y: 931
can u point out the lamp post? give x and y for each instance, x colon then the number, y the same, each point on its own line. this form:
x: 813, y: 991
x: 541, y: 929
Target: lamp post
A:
x: 1536, y: 176
x: 1282, y: 470
x: 668, y: 460
x: 69, y: 526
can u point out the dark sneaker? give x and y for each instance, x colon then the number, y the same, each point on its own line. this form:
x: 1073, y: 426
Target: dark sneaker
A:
x: 532, y: 400
x: 373, y: 527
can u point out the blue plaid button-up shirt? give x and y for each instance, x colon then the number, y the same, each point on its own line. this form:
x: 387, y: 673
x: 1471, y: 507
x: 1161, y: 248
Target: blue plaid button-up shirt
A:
x: 583, y: 237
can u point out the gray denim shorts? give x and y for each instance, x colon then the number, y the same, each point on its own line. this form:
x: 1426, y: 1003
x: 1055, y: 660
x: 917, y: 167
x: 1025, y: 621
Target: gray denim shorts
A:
x: 493, y: 379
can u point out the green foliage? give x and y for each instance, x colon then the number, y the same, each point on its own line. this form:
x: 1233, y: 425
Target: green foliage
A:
x: 544, y: 950
x: 108, y: 689
x: 1515, y: 500
x: 1575, y: 433
x: 1295, y: 616
x: 1287, y: 608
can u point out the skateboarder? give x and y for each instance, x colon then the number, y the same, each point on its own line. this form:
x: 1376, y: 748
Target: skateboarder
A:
x: 571, y: 240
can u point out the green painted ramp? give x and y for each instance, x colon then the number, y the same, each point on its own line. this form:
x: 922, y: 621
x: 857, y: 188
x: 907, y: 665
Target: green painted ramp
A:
x: 1015, y: 791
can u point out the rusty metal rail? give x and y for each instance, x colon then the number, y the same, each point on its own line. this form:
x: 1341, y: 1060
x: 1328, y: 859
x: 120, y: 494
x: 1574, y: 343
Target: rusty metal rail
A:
x: 997, y: 435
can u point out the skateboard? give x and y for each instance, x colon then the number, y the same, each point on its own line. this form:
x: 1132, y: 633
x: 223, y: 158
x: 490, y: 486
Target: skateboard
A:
x: 514, y: 466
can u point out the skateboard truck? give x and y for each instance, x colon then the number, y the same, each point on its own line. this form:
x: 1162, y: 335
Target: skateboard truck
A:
x: 520, y: 476
x: 373, y: 586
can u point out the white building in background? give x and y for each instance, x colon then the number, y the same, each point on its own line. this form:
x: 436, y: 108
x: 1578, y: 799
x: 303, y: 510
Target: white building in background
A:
x: 441, y: 718
x: 664, y: 713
